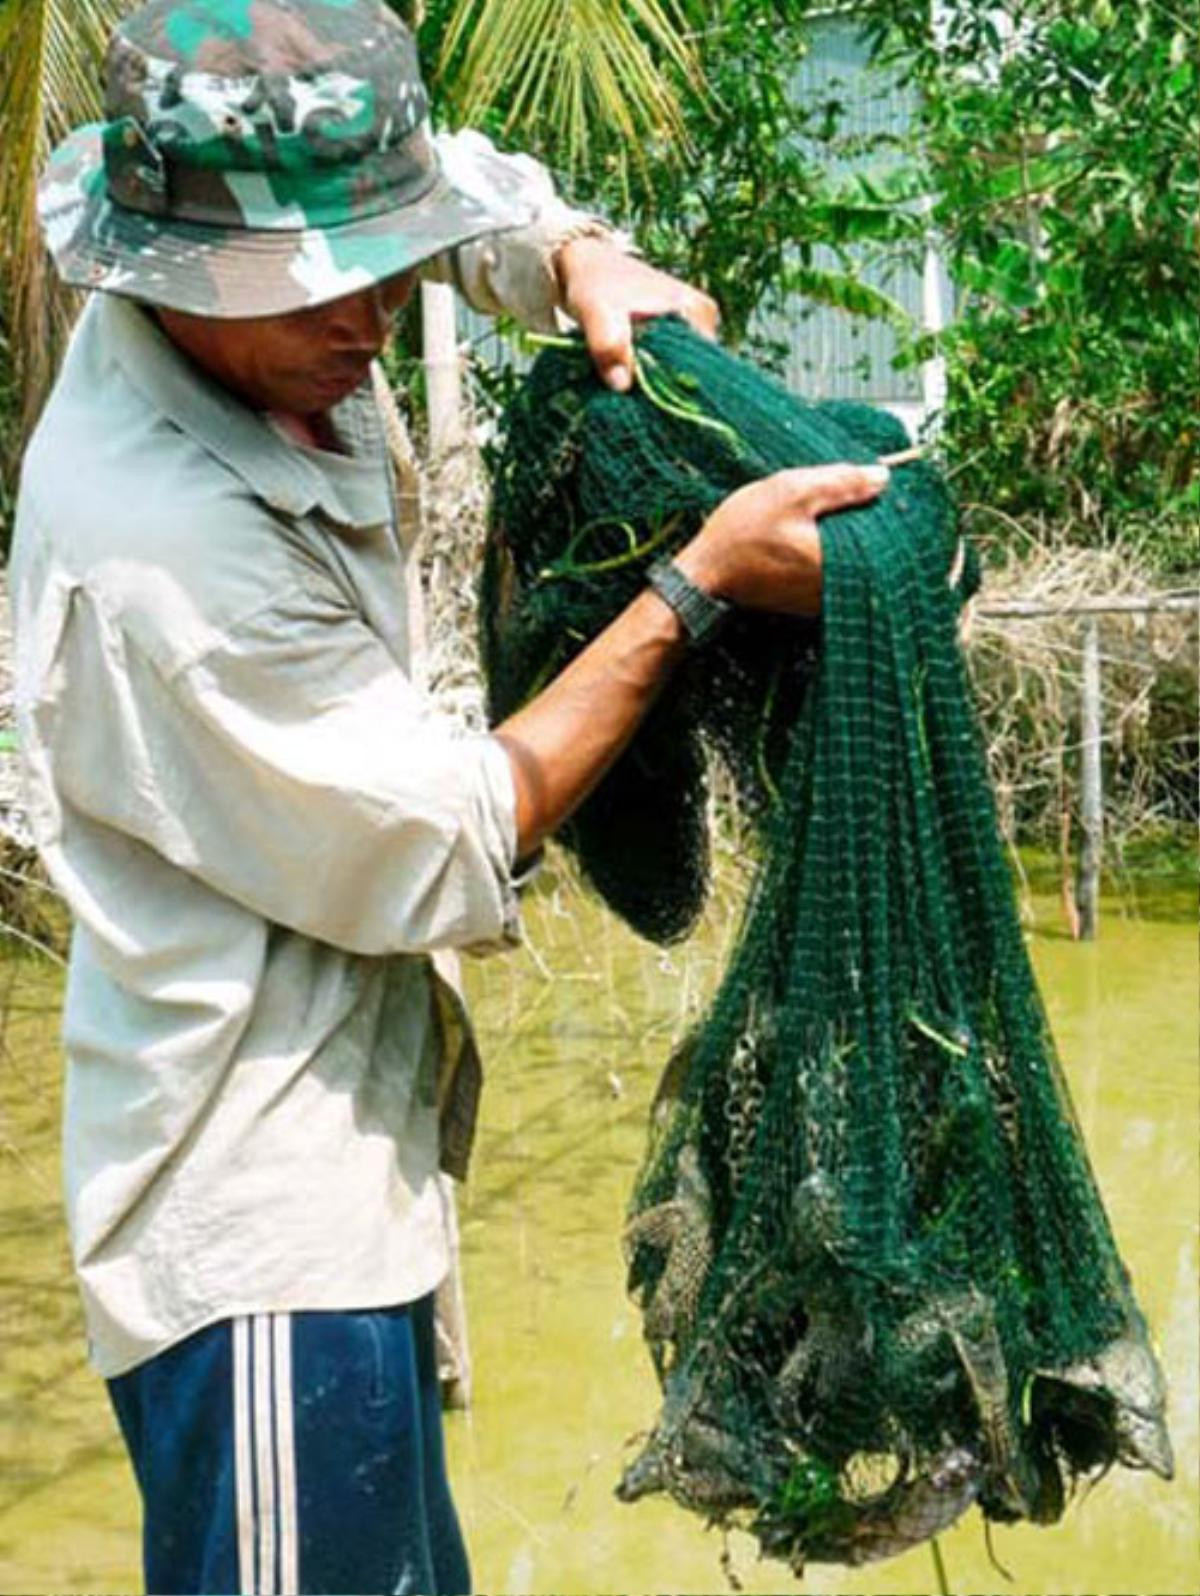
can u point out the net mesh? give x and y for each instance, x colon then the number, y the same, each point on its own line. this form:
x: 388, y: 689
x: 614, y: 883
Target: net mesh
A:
x: 875, y: 1273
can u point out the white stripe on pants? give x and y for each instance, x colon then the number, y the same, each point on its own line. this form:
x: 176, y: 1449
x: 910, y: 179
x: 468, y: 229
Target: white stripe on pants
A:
x: 264, y: 1455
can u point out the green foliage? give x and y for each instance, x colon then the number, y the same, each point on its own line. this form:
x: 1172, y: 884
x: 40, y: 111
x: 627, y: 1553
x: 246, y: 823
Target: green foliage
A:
x: 744, y: 213
x: 1054, y: 154
x: 735, y: 196
x: 1062, y: 157
x: 1093, y: 430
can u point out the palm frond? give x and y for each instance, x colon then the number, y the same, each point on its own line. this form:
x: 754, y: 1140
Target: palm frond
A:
x: 572, y: 65
x: 50, y: 59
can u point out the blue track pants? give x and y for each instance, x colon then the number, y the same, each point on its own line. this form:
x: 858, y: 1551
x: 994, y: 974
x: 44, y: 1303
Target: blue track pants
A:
x: 295, y: 1452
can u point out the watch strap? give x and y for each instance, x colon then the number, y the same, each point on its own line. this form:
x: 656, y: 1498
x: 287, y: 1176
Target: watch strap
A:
x: 701, y: 614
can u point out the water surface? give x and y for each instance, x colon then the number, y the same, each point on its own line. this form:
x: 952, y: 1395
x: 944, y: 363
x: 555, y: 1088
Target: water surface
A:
x: 575, y: 1029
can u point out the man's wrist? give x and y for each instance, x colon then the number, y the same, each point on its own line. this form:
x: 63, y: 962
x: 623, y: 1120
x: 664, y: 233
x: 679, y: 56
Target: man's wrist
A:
x: 700, y: 613
x: 582, y: 237
x: 701, y: 569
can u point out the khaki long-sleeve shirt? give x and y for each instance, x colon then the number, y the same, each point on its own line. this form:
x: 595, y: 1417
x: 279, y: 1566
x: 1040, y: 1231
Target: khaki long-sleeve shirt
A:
x: 262, y: 830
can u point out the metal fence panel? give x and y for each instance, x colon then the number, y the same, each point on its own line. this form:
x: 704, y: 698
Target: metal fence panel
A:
x: 831, y: 353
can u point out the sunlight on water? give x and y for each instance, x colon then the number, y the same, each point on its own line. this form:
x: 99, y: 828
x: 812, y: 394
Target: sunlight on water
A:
x: 575, y: 1031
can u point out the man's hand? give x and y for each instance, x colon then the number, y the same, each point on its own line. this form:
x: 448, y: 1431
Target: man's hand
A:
x: 606, y: 291
x: 761, y: 548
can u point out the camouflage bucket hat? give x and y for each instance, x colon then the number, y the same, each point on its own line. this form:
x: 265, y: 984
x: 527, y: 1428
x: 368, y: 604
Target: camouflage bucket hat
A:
x: 259, y: 156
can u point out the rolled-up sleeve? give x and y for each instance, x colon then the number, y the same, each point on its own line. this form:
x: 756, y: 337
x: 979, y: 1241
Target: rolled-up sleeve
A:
x: 511, y: 272
x: 294, y: 768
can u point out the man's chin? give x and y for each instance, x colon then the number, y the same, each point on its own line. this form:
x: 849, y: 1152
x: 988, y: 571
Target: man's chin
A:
x: 322, y: 393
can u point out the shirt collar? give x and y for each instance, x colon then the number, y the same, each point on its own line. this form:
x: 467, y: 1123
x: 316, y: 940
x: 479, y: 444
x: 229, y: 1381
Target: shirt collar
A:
x: 350, y: 489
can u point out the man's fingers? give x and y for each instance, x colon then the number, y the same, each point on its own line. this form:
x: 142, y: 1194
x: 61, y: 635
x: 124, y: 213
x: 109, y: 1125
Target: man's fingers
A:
x: 607, y: 290
x: 819, y: 490
x: 700, y: 312
x: 608, y: 333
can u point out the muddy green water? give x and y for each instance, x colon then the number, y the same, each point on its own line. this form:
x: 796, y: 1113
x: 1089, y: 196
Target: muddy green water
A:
x: 575, y: 1029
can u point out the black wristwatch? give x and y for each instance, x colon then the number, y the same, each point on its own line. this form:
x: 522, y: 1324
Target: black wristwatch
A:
x: 701, y: 615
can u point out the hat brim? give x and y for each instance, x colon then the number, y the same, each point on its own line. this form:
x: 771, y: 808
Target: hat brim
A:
x: 240, y: 272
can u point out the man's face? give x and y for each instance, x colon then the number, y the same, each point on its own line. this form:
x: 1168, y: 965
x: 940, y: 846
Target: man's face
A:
x: 302, y: 363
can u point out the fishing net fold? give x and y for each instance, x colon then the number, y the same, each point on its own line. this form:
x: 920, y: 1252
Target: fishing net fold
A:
x: 874, y: 1270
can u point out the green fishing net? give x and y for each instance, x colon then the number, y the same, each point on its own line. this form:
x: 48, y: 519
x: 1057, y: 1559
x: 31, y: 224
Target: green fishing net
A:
x: 874, y: 1270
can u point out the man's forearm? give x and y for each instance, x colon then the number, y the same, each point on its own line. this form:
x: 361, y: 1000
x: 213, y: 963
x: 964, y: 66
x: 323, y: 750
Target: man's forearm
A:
x: 561, y: 744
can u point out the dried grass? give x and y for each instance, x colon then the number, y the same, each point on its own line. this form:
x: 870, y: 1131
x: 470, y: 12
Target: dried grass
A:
x: 33, y: 916
x: 449, y: 555
x: 1027, y: 670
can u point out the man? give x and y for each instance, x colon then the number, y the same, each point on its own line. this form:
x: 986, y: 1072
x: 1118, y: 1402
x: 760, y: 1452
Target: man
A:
x: 261, y: 828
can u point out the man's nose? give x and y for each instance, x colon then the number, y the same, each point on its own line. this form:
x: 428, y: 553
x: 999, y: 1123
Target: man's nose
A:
x: 360, y: 320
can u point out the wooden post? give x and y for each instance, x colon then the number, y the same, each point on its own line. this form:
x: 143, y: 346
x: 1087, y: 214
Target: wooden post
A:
x: 443, y: 378
x: 1091, y: 785
x: 1179, y: 603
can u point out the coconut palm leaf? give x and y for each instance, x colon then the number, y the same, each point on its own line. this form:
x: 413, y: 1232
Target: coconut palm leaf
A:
x: 572, y: 66
x: 50, y: 59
